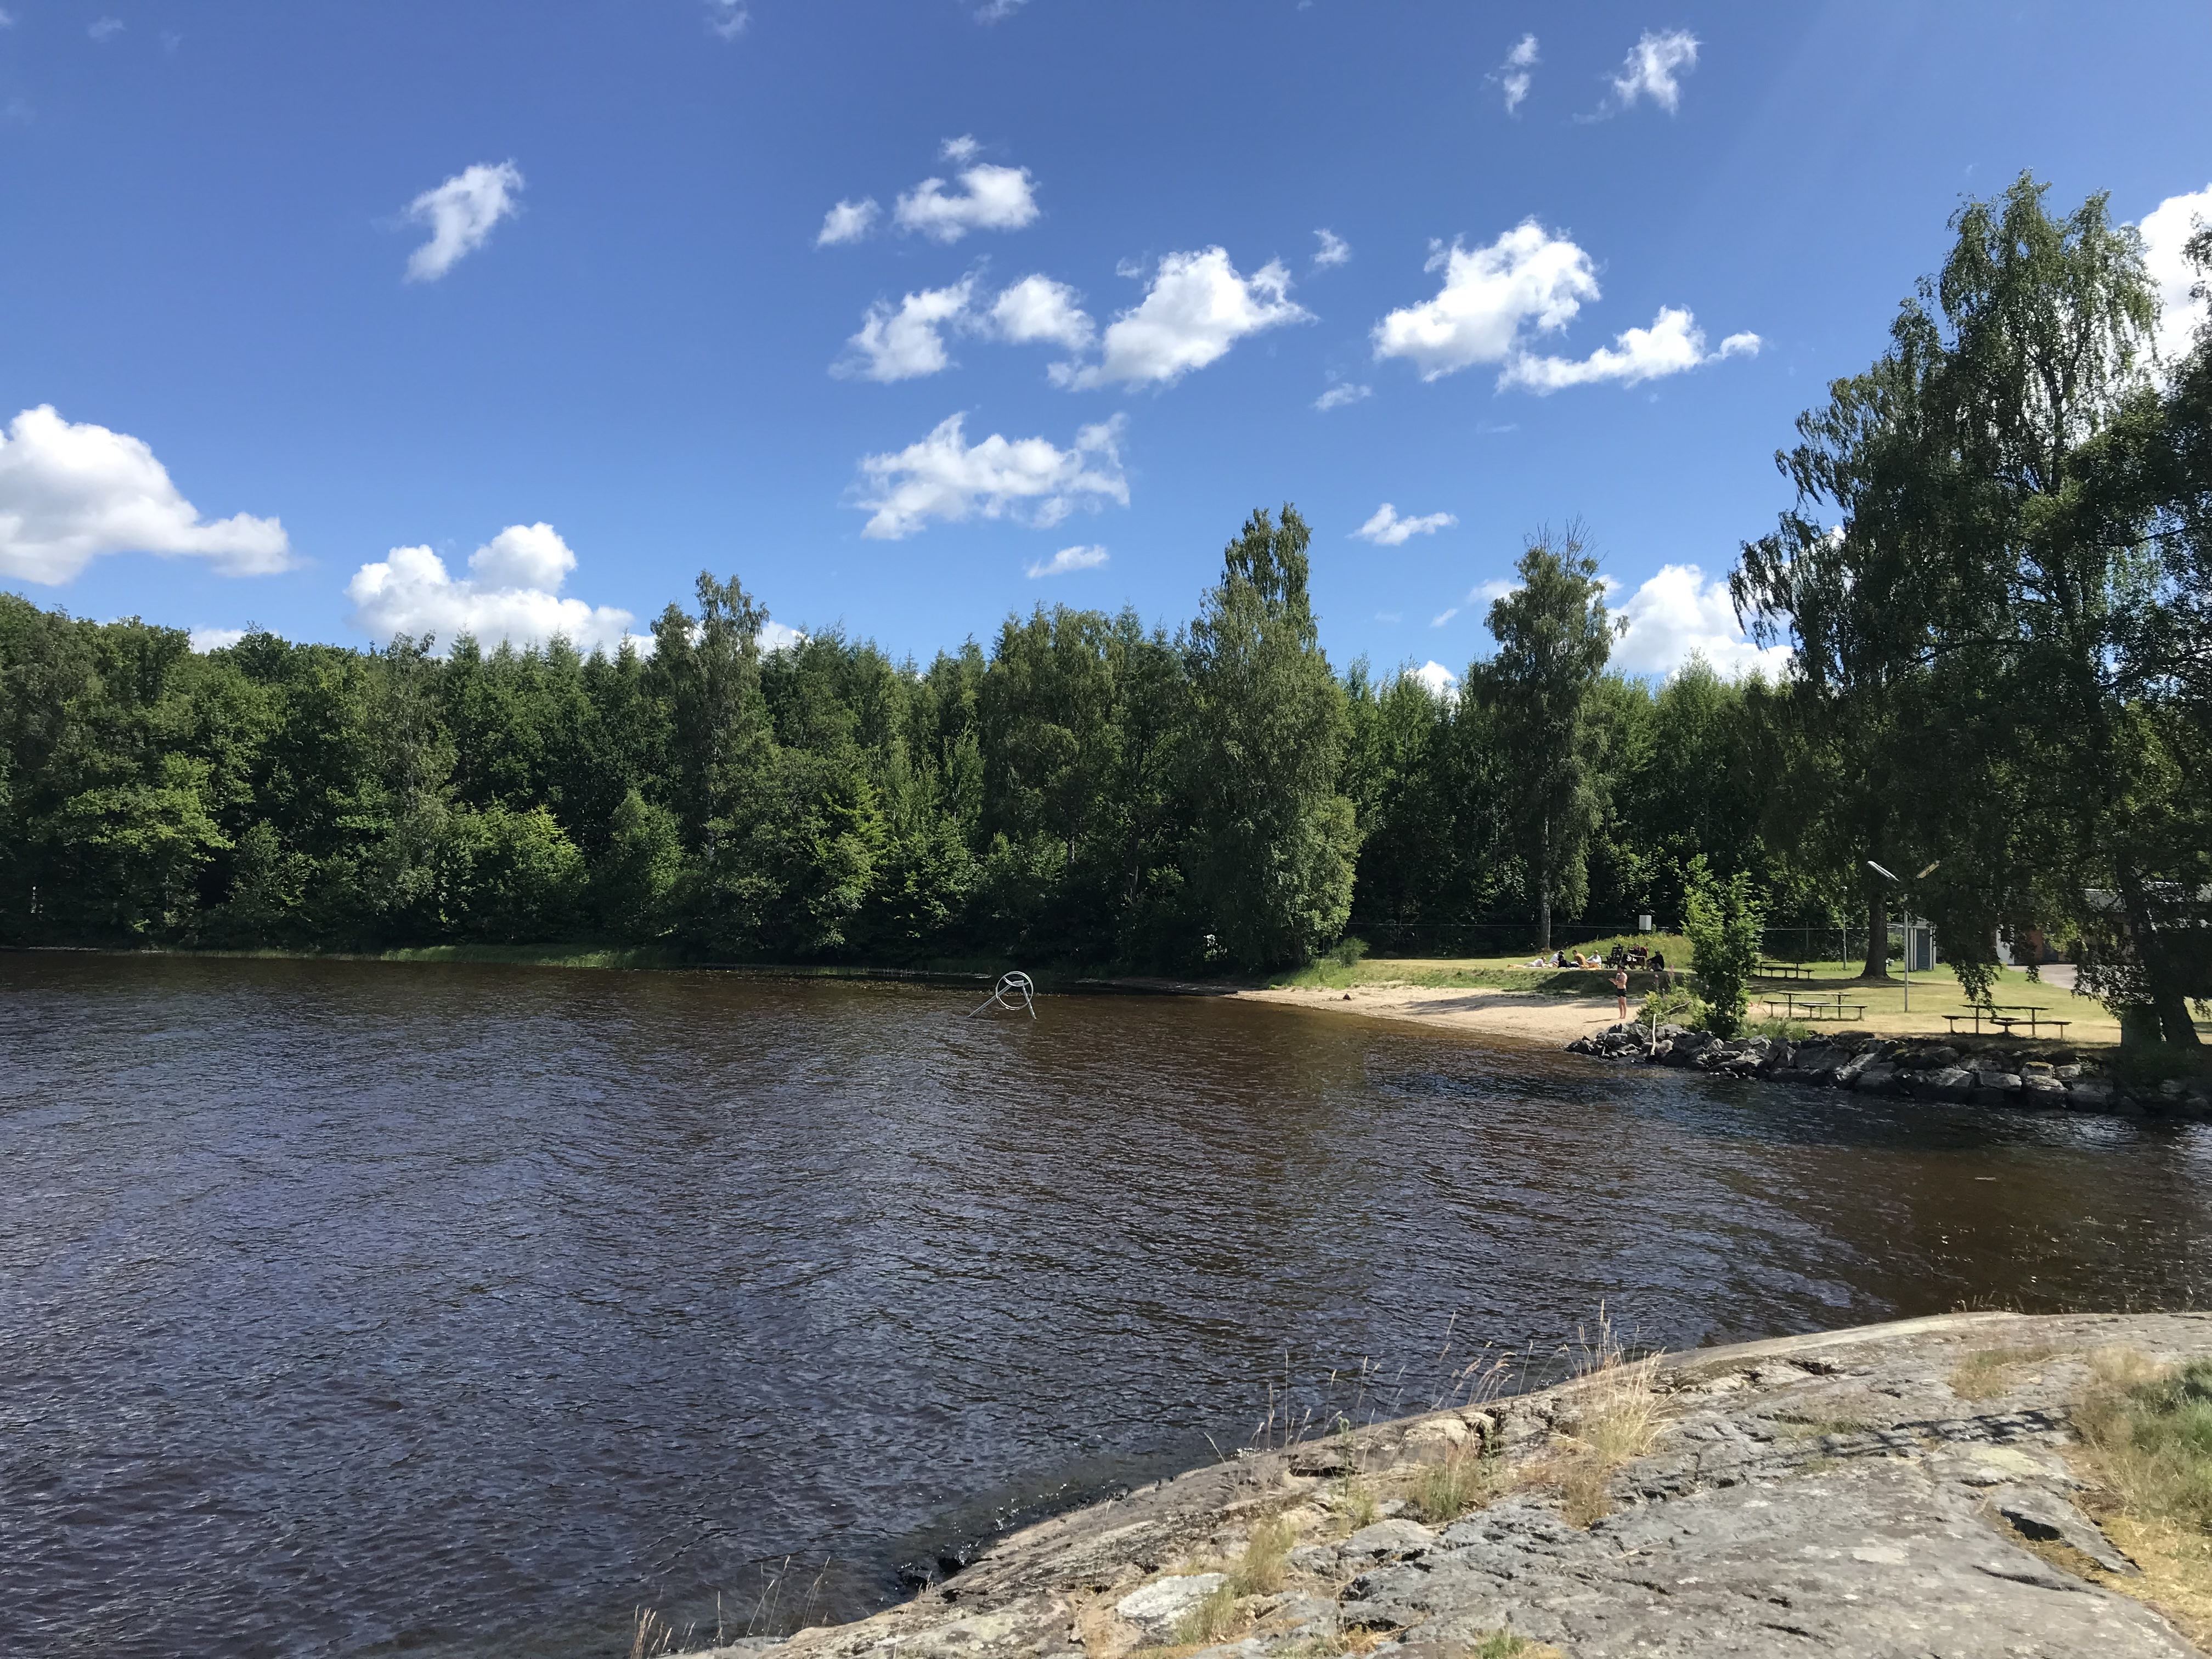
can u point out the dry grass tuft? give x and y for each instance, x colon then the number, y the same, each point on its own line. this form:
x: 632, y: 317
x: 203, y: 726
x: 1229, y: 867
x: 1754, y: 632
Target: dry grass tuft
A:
x: 651, y: 1635
x: 1216, y: 1618
x: 1266, y: 1562
x: 1987, y: 1372
x: 1466, y: 1480
x: 2146, y: 1434
x: 1616, y: 1422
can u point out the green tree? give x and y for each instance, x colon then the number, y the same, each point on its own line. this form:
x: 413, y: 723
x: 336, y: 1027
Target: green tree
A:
x: 1553, y: 639
x: 1272, y: 854
x: 2000, y: 602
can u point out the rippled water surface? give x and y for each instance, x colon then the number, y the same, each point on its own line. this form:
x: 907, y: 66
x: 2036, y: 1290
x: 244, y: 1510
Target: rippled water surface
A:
x: 457, y: 1310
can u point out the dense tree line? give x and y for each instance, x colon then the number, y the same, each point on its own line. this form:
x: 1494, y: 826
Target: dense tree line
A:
x: 1995, y: 579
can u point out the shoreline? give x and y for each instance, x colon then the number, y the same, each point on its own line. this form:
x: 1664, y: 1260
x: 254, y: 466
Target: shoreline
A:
x: 1923, y: 1483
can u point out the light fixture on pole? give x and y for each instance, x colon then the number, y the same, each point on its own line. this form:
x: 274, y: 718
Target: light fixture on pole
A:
x: 1891, y: 876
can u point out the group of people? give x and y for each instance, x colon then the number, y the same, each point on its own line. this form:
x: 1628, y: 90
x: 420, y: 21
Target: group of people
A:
x: 1623, y: 959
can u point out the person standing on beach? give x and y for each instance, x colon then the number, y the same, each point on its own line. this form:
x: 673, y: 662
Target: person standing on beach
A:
x: 1620, y: 992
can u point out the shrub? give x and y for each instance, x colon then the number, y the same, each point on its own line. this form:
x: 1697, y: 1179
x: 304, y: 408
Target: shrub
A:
x: 1348, y: 951
x: 1726, y: 926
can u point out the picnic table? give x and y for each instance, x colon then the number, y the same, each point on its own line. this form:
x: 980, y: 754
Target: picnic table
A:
x: 1829, y: 1007
x: 2005, y: 1015
x: 1782, y: 970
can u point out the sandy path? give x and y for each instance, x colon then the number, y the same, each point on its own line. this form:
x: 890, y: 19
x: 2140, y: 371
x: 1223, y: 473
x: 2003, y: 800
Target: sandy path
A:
x: 1532, y: 1016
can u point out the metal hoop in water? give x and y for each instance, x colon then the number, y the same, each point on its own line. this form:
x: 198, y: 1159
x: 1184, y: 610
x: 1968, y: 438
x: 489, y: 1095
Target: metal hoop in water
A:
x: 1016, y: 984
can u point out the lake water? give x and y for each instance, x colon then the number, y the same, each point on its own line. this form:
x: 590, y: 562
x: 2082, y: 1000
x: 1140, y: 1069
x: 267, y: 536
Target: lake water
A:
x: 361, y: 1309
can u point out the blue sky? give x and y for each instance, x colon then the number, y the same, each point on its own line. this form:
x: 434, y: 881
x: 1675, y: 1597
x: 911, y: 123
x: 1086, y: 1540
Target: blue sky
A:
x: 226, y: 266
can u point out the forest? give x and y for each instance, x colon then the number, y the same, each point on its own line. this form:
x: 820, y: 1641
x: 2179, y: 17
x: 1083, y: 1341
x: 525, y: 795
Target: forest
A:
x: 1996, y: 579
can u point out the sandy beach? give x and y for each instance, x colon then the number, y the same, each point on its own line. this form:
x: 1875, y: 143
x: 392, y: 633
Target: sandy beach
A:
x: 1530, y: 1015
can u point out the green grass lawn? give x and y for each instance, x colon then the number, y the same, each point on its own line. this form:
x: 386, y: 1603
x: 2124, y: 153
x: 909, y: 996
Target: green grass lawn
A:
x: 1933, y: 994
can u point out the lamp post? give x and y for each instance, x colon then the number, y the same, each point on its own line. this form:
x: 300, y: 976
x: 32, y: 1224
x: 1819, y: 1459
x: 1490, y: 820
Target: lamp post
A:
x: 1898, y: 882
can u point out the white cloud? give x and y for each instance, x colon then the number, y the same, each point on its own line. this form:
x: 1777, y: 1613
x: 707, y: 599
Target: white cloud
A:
x: 1387, y: 529
x: 961, y: 149
x: 994, y: 11
x: 1677, y: 615
x: 1037, y: 310
x: 1517, y: 73
x: 1026, y: 479
x: 204, y: 640
x: 992, y: 198
x: 1529, y: 283
x: 1334, y: 251
x: 776, y: 637
x: 70, y: 492
x: 1528, y: 279
x: 1486, y: 594
x: 1069, y: 559
x: 1197, y: 307
x: 460, y: 213
x: 728, y: 18
x: 905, y: 343
x: 1338, y: 396
x: 2166, y: 229
x: 1440, y: 620
x: 1443, y: 684
x: 106, y: 29
x: 848, y: 221
x: 1654, y: 67
x: 1672, y: 343
x: 511, y: 593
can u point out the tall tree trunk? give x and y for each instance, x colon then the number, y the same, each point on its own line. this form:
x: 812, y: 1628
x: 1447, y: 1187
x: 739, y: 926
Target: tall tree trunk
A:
x: 2171, y: 1006
x: 1544, y: 888
x: 1877, y: 956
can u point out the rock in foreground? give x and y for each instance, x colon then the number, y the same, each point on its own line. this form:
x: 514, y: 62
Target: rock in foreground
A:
x: 1895, y: 1490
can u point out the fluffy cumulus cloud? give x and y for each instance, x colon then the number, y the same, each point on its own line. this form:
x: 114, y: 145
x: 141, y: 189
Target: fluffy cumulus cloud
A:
x: 1387, y: 529
x: 1654, y: 70
x: 70, y: 492
x: 1679, y: 615
x: 1338, y: 396
x: 1197, y: 306
x: 905, y: 342
x: 1672, y: 343
x: 1067, y: 561
x: 1497, y: 300
x: 460, y: 213
x: 2166, y: 229
x: 1334, y: 250
x: 990, y: 197
x: 848, y: 221
x: 1037, y: 310
x: 204, y: 640
x: 1517, y: 73
x: 1527, y: 281
x: 1030, y: 480
x: 511, y: 594
x: 1443, y: 684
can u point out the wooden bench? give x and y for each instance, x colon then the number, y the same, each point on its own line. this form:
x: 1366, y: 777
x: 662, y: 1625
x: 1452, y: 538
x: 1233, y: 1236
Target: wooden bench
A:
x: 1795, y: 1007
x: 1796, y: 971
x: 2005, y: 1016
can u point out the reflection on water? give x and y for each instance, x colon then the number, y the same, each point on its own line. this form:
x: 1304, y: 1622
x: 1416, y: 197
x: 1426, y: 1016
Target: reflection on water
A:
x: 351, y: 1308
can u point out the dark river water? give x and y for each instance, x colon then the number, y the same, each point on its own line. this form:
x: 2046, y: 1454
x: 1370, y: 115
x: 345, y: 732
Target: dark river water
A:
x: 357, y: 1309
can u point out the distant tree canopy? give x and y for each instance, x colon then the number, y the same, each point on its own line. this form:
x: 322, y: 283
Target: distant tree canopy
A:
x: 1996, y: 581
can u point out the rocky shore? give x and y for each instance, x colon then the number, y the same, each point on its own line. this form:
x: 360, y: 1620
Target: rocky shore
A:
x: 1987, y: 1073
x: 1911, y: 1489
